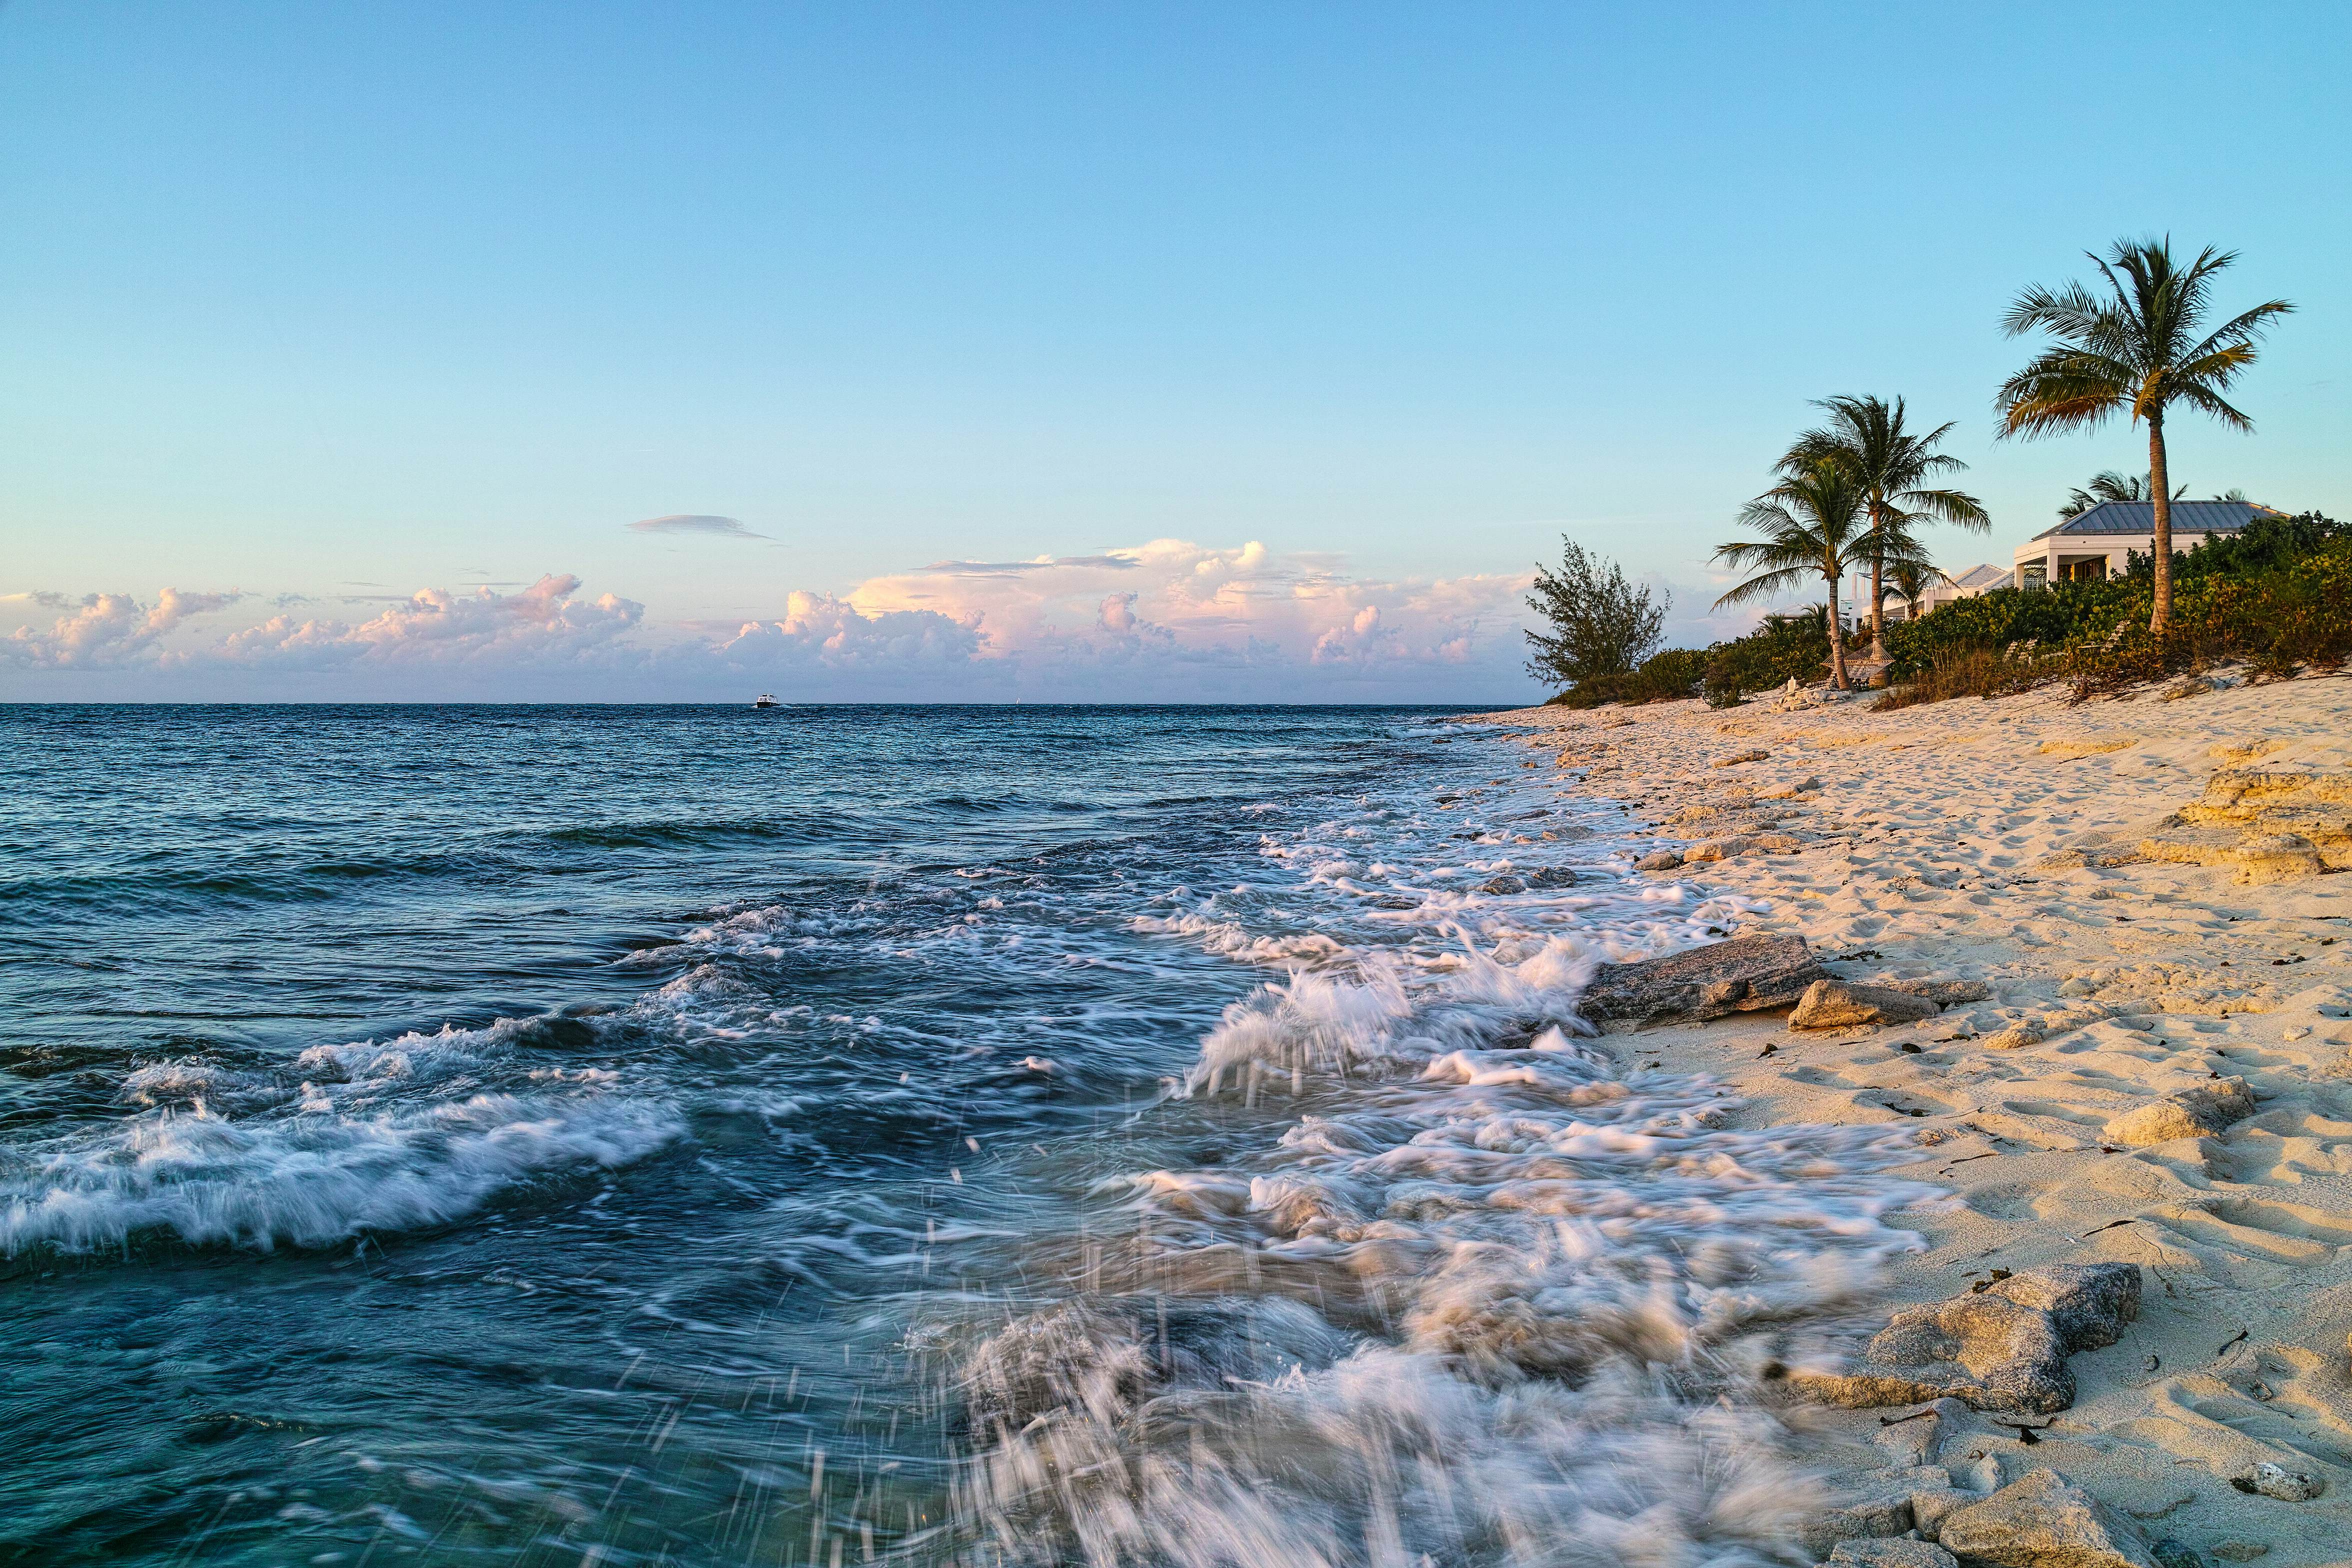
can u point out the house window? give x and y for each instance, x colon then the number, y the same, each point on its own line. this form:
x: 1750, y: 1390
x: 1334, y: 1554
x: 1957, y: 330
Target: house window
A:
x: 2094, y: 569
x: 2033, y: 576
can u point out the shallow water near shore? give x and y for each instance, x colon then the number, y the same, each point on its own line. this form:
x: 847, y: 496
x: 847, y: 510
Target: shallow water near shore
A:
x: 946, y: 1136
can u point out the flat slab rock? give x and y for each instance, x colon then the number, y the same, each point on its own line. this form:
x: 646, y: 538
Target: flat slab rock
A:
x: 1742, y: 976
x: 1998, y: 1346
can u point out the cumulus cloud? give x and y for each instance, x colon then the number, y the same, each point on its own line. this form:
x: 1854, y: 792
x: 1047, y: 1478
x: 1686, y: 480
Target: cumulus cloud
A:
x: 1168, y: 620
x: 547, y: 623
x: 695, y: 522
x: 107, y: 629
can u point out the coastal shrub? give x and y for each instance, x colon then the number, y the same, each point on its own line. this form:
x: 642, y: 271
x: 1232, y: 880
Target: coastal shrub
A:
x: 2265, y: 544
x: 1970, y: 669
x: 1601, y: 625
x: 1661, y: 677
x: 2050, y: 617
x: 1784, y: 647
x: 2294, y: 615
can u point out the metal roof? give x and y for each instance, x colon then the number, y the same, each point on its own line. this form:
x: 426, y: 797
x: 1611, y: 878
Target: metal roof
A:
x: 1978, y: 576
x: 2139, y: 517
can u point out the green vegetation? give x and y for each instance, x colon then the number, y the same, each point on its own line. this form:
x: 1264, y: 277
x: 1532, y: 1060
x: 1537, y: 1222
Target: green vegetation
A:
x: 1812, y: 524
x: 2133, y: 350
x: 1891, y: 467
x: 1784, y: 647
x: 1603, y: 627
x: 2107, y: 484
x: 2277, y: 595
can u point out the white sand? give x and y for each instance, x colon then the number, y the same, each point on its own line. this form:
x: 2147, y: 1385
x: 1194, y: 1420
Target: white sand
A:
x: 1924, y: 851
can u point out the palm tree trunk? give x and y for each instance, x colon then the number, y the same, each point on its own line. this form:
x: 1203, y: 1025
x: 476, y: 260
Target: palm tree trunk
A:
x: 1877, y: 577
x: 1837, y: 639
x: 2159, y: 484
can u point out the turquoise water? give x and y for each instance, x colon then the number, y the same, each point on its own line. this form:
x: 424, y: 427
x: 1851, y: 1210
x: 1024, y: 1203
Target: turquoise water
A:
x: 536, y: 1136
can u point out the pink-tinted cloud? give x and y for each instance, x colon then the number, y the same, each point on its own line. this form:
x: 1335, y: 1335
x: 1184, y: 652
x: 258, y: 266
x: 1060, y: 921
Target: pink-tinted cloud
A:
x: 108, y: 629
x: 546, y: 623
x: 1169, y: 620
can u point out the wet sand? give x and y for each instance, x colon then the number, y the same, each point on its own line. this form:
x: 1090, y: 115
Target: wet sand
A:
x: 2038, y: 849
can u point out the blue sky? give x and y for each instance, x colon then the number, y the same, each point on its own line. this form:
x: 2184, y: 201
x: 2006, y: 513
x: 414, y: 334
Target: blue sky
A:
x: 323, y: 306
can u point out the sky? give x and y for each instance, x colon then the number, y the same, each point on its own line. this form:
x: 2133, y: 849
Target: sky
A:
x: 913, y: 352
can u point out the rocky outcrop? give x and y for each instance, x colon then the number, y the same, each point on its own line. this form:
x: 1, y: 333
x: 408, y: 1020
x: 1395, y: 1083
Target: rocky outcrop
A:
x: 1742, y: 975
x: 2198, y: 1112
x: 1842, y: 1004
x: 1885, y: 1509
x: 2261, y: 858
x: 2001, y: 1345
x: 2044, y: 1521
x: 2276, y: 823
x: 1891, y: 1554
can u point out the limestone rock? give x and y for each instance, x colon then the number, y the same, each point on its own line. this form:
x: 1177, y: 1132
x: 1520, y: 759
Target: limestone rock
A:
x: 1788, y: 791
x: 1911, y: 1440
x: 2260, y: 857
x: 2016, y: 1037
x: 1891, y: 1554
x: 1551, y: 876
x: 2198, y: 1112
x: 1739, y: 757
x: 1743, y: 975
x: 1503, y: 884
x: 1930, y: 1506
x: 1659, y: 861
x: 2277, y: 858
x: 1840, y: 1004
x: 2278, y: 1481
x: 2171, y: 1553
x: 1720, y: 848
x: 1942, y: 993
x: 2043, y: 1520
x: 2000, y: 1347
x: 1872, y: 1517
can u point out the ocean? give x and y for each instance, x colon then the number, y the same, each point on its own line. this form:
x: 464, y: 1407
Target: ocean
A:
x: 933, y: 1135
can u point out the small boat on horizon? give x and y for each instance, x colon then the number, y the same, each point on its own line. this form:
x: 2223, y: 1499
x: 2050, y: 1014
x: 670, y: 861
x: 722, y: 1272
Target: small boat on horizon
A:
x: 767, y: 700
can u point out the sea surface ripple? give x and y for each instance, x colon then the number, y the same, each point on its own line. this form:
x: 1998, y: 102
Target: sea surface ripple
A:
x: 975, y: 1135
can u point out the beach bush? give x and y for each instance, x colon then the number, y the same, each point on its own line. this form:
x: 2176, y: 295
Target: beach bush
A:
x: 1783, y: 647
x: 1661, y: 677
x: 2277, y: 597
x: 1601, y: 625
x: 2293, y: 616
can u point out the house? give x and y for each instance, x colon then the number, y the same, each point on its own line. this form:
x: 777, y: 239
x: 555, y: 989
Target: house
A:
x: 1965, y: 584
x: 2097, y: 543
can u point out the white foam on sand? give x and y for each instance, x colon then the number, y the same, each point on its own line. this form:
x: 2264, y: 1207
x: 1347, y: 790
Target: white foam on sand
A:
x: 1494, y: 1296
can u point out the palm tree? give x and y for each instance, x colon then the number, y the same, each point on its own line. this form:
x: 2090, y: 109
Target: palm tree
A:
x: 1813, y: 524
x: 2109, y: 485
x: 2133, y: 350
x: 1911, y: 579
x: 1891, y: 467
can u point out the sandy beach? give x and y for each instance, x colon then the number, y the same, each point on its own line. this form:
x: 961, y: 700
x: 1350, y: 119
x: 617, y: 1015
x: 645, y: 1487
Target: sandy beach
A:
x: 2127, y: 883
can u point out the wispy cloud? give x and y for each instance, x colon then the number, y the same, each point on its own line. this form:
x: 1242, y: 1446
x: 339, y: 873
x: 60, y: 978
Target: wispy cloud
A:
x: 1043, y: 563
x: 695, y: 524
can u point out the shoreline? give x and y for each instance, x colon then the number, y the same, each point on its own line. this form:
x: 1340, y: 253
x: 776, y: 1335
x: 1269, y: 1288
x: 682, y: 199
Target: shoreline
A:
x: 2036, y: 848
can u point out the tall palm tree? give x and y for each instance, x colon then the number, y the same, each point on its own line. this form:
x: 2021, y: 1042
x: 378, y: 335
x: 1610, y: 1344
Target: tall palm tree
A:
x: 2133, y: 350
x: 1812, y: 524
x: 1892, y: 467
x: 2109, y: 485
